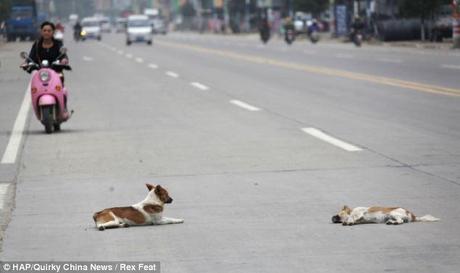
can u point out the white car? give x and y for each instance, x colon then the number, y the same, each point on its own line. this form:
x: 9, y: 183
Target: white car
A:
x: 91, y: 29
x: 120, y: 24
x: 105, y: 24
x: 139, y: 29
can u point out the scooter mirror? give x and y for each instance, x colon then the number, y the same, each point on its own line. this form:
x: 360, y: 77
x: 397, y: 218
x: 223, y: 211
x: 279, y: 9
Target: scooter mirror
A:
x: 23, y: 55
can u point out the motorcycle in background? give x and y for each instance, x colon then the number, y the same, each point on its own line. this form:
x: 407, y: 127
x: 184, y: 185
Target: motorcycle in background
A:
x: 49, y: 96
x: 356, y: 37
x: 289, y: 35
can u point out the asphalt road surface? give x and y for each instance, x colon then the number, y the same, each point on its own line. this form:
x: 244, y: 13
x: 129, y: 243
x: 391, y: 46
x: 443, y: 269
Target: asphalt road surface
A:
x: 258, y: 145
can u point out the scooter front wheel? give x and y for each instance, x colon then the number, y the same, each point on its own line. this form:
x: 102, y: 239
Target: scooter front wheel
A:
x: 47, y: 118
x: 57, y: 127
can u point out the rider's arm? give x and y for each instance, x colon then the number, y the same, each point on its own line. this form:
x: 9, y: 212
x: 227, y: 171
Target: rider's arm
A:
x: 33, y: 53
x: 64, y: 58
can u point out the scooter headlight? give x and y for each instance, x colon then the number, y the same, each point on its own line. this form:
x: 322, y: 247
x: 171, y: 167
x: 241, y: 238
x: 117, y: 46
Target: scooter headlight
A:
x: 83, y: 33
x: 44, y: 76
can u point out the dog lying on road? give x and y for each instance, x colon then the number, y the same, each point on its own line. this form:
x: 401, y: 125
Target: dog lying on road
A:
x: 379, y: 215
x: 147, y: 212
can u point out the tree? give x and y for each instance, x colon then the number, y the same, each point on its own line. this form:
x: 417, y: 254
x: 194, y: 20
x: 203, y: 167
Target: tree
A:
x: 423, y: 9
x: 4, y: 9
x: 313, y: 6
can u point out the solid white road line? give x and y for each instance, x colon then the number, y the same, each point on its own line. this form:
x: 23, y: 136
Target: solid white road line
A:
x: 450, y: 66
x: 3, y: 191
x: 199, y: 85
x: 244, y: 105
x: 11, y: 152
x: 153, y: 66
x: 331, y: 140
x: 87, y: 59
x: 172, y: 74
x: 139, y: 60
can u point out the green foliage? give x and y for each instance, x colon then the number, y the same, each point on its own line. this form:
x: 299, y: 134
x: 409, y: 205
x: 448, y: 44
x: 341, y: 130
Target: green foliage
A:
x: 4, y: 9
x: 188, y: 10
x: 420, y: 8
x: 313, y: 6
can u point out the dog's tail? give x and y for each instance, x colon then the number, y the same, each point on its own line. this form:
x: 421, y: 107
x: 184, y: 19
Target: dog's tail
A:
x: 427, y: 218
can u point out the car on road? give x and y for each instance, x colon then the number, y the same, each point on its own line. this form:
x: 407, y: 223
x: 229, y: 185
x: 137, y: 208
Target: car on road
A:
x: 91, y: 28
x: 159, y: 26
x: 120, y: 24
x: 139, y: 29
x: 106, y: 26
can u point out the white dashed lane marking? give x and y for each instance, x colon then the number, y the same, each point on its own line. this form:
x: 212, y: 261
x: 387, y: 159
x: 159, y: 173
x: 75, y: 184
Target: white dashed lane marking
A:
x: 331, y: 140
x: 199, y: 85
x: 395, y: 61
x: 172, y: 74
x: 245, y: 105
x: 451, y: 66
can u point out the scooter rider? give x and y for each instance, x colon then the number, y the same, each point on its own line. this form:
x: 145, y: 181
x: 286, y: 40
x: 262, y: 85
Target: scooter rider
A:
x: 77, y: 28
x: 312, y: 26
x: 47, y: 48
x: 264, y: 29
x: 357, y: 26
x: 289, y: 30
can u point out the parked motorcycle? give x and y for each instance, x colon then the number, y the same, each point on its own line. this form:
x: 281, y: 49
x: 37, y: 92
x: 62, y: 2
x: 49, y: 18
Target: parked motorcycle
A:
x: 357, y: 38
x: 265, y: 35
x: 313, y: 32
x: 49, y: 96
x: 289, y: 36
x: 314, y: 36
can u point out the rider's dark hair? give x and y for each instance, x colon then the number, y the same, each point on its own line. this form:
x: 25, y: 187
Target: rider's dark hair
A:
x: 48, y: 23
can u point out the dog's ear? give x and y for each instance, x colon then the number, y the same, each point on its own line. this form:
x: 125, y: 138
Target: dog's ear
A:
x: 158, y: 189
x: 347, y: 209
x: 150, y: 187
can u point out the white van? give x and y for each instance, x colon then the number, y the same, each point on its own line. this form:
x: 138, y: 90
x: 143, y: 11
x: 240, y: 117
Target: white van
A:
x: 91, y: 29
x: 139, y: 29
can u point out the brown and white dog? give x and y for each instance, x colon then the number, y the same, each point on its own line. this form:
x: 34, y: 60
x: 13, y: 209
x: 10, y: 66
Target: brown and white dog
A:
x: 379, y: 215
x: 147, y: 212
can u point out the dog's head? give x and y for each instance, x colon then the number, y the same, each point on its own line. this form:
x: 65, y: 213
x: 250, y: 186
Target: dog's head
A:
x: 159, y: 193
x: 342, y: 215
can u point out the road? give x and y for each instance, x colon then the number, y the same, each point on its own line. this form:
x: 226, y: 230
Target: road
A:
x: 258, y: 145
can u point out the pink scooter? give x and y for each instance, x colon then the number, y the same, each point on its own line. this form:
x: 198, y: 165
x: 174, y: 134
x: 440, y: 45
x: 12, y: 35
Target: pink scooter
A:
x: 49, y: 96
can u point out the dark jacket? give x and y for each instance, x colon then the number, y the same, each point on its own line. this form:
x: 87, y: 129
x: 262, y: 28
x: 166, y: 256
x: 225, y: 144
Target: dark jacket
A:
x: 38, y: 53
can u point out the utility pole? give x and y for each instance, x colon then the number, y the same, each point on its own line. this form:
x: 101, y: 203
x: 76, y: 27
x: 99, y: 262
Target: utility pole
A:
x: 455, y: 24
